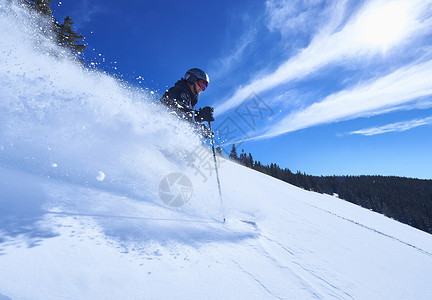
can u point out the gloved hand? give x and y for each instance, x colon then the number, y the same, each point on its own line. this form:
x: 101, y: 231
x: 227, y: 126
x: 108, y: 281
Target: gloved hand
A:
x: 205, y: 114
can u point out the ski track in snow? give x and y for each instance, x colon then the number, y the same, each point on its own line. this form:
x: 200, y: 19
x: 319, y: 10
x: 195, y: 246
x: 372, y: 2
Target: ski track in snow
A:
x: 374, y: 230
x: 254, y: 278
x: 316, y: 286
x: 305, y: 275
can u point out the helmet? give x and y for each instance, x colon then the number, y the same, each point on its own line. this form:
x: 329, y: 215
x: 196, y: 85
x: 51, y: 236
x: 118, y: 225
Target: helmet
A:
x: 195, y: 74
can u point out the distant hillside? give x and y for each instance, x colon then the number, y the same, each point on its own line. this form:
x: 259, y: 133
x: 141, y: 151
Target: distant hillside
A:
x: 407, y: 200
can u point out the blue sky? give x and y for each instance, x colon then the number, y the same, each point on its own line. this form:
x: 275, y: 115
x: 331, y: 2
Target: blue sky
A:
x: 324, y: 87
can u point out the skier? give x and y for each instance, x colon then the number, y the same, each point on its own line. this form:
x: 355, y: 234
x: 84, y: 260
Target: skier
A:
x: 183, y: 96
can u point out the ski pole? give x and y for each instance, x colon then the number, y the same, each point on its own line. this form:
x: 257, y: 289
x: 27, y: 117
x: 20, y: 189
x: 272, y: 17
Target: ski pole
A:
x: 217, y: 173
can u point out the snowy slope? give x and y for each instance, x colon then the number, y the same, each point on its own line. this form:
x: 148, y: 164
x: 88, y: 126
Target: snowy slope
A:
x: 82, y: 158
x: 64, y: 241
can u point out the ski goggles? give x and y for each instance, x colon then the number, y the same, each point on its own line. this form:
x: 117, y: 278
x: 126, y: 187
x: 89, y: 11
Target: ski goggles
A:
x: 203, y: 84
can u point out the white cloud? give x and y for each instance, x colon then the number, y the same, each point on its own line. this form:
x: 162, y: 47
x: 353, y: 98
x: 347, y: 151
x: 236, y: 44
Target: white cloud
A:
x: 394, y: 127
x: 294, y: 15
x: 225, y: 64
x: 330, y: 46
x: 398, y: 88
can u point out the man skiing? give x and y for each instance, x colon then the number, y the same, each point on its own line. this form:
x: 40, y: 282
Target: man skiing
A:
x: 183, y: 96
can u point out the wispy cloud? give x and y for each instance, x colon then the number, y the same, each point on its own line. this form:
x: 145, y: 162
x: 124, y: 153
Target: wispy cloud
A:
x: 404, y: 89
x: 331, y: 45
x: 394, y: 127
x: 298, y: 16
x: 402, y: 86
x: 226, y: 63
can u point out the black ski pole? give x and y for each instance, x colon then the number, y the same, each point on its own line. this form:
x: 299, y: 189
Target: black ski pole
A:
x: 217, y: 173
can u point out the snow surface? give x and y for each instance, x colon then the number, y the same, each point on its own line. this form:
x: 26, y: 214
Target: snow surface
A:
x: 82, y: 156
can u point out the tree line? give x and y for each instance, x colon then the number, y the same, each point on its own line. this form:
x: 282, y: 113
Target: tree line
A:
x: 65, y: 35
x: 407, y: 200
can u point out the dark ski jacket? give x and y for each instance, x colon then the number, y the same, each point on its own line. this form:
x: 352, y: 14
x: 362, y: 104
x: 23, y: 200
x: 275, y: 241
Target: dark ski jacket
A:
x: 181, y: 100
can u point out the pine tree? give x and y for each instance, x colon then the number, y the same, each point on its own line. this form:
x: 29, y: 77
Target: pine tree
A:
x: 41, y: 6
x: 68, y: 38
x: 249, y: 161
x: 64, y: 33
x: 242, y: 158
x: 233, y: 153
